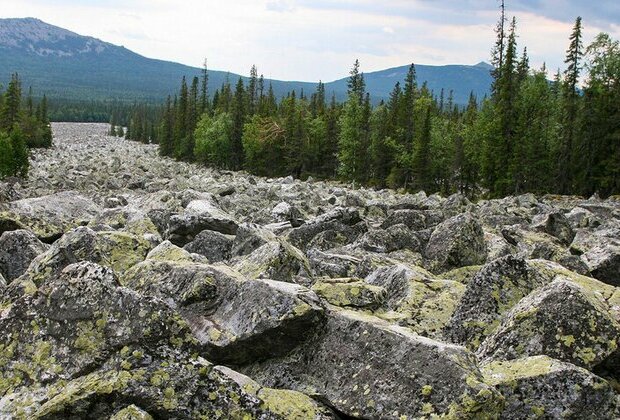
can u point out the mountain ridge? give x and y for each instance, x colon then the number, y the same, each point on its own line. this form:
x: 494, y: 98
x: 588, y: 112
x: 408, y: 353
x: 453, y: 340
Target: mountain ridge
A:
x: 64, y: 64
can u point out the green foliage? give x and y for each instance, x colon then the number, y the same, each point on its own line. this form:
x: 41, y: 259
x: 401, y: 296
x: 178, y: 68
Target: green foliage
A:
x: 213, y: 141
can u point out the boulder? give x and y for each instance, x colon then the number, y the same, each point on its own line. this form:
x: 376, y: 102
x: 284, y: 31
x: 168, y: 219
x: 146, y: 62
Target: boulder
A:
x: 48, y: 217
x: 235, y: 320
x: 116, y: 250
x: 213, y: 245
x: 17, y: 250
x: 199, y: 215
x: 541, y: 387
x: 366, y: 368
x: 131, y: 412
x: 413, y: 219
x: 457, y: 242
x: 336, y: 227
x: 393, y: 238
x: 555, y: 224
x: 562, y: 320
x: 494, y: 290
x: 350, y: 292
x: 603, y: 262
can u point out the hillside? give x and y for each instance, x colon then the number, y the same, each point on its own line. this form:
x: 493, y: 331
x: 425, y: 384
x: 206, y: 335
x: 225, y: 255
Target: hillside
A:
x: 64, y: 64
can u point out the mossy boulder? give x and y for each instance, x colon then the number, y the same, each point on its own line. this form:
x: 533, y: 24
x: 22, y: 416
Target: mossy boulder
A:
x: 132, y: 412
x: 17, y: 250
x: 544, y: 388
x: 214, y: 246
x: 116, y: 250
x: 291, y: 405
x: 367, y: 368
x: 75, y: 321
x: 457, y: 242
x: 493, y: 291
x: 335, y: 228
x: 48, y: 217
x: 413, y: 219
x: 561, y: 320
x: 199, y: 215
x: 350, y: 292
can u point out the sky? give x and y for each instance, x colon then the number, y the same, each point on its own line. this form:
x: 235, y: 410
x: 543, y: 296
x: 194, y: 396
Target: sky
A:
x: 311, y: 40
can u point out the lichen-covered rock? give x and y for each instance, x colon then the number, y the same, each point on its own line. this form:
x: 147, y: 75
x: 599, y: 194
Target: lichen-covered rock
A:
x: 413, y: 219
x: 561, y: 320
x: 334, y: 228
x: 276, y: 259
x: 167, y: 251
x: 117, y: 250
x: 48, y: 217
x: 199, y: 215
x: 457, y: 242
x: 393, y: 238
x: 555, y: 224
x: 291, y: 405
x: 603, y: 262
x: 541, y: 387
x: 214, y: 246
x: 74, y: 322
x: 366, y: 368
x: 350, y: 292
x: 131, y: 413
x: 17, y: 250
x: 494, y: 290
x: 416, y: 299
x: 257, y: 319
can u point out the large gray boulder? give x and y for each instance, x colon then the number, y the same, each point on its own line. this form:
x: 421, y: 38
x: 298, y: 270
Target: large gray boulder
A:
x: 213, y: 245
x: 48, y: 217
x: 562, y: 320
x: 113, y: 249
x: 541, y: 387
x: 17, y: 250
x: 366, y: 368
x: 555, y: 224
x: 334, y: 228
x: 199, y: 215
x: 457, y: 242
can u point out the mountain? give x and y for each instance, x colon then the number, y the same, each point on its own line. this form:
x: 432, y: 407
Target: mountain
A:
x: 63, y: 64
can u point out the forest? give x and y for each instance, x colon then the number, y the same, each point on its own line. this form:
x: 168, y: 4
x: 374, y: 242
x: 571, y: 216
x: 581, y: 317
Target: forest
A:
x: 22, y: 126
x: 532, y: 134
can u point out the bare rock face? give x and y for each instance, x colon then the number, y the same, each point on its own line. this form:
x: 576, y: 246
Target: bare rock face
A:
x: 125, y: 278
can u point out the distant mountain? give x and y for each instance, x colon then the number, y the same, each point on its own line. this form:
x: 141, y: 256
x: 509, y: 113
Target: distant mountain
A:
x: 63, y: 64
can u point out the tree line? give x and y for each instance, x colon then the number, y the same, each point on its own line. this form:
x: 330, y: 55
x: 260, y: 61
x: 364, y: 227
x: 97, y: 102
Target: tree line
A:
x: 530, y: 135
x: 22, y: 126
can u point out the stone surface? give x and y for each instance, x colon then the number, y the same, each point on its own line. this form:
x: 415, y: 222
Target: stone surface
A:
x: 213, y: 245
x: 17, y: 250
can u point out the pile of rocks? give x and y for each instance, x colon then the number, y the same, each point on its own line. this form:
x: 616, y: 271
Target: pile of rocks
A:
x: 135, y: 286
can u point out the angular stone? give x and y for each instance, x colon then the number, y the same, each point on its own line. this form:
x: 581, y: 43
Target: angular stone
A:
x: 214, y: 246
x: 199, y: 215
x: 117, y: 250
x: 17, y: 250
x: 366, y: 368
x: 340, y: 222
x: 394, y: 238
x: 541, y: 387
x: 48, y: 217
x: 555, y: 224
x: 457, y: 242
x: 131, y: 413
x: 561, y: 320
x: 413, y: 219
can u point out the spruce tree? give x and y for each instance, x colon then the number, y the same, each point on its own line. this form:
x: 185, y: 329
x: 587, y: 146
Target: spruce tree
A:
x: 570, y: 110
x: 9, y: 115
x: 238, y: 117
x: 204, y: 90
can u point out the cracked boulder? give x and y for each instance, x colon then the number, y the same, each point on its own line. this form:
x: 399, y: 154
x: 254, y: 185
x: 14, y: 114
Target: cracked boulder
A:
x: 541, y: 387
x: 350, y: 292
x: 213, y: 245
x: 17, y: 250
x: 457, y: 242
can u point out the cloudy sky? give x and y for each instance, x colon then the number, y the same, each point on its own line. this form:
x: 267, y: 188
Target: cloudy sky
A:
x: 313, y: 40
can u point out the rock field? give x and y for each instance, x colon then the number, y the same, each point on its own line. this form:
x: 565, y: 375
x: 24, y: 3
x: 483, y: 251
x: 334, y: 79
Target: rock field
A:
x: 137, y: 287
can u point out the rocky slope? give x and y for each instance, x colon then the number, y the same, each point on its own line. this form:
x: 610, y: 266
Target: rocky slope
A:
x: 136, y: 287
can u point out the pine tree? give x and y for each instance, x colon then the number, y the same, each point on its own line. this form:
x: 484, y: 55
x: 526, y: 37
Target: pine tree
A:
x: 9, y: 115
x: 252, y: 92
x: 238, y: 117
x: 166, y: 145
x: 180, y: 120
x: 497, y: 55
x: 204, y: 92
x: 421, y: 156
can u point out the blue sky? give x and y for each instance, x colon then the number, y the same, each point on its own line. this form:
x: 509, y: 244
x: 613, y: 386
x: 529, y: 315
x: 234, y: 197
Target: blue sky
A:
x: 315, y: 40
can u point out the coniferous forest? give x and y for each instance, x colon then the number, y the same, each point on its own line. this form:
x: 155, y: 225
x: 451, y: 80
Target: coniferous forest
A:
x: 532, y: 134
x: 22, y: 126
